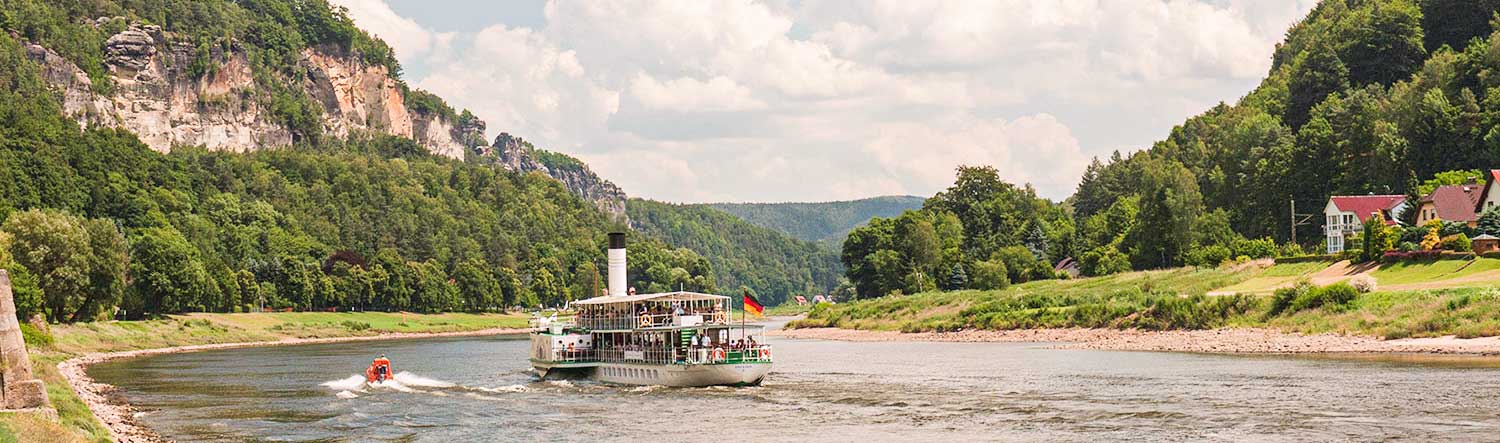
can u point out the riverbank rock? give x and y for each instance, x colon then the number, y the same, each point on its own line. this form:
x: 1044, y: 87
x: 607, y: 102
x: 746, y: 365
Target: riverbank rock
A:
x: 19, y: 389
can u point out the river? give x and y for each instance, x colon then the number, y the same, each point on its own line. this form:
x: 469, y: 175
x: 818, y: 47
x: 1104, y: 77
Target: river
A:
x: 479, y: 389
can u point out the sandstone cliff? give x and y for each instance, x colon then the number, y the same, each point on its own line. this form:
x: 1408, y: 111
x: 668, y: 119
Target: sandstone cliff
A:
x: 516, y: 154
x: 157, y: 95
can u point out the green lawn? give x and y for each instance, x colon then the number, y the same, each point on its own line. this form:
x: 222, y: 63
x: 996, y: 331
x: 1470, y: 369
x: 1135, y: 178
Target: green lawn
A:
x: 1275, y: 276
x: 1429, y: 271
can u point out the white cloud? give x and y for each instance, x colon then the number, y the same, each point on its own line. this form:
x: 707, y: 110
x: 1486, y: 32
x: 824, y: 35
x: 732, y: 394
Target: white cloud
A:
x: 1034, y: 149
x: 825, y: 99
x: 687, y: 94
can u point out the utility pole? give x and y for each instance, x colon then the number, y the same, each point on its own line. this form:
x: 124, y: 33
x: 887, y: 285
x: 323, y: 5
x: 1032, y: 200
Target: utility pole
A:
x: 1293, y: 219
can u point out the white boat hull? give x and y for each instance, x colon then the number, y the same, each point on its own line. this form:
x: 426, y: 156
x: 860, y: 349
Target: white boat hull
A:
x: 741, y: 374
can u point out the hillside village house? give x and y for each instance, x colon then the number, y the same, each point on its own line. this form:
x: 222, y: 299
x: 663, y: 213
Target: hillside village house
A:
x: 1489, y: 197
x: 1453, y: 203
x: 1346, y: 215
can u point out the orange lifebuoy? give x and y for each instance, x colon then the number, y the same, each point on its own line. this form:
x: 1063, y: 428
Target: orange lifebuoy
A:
x: 645, y: 321
x: 765, y: 353
x: 718, y: 354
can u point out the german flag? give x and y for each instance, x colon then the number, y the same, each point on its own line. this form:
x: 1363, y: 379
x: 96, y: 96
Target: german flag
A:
x: 752, y: 305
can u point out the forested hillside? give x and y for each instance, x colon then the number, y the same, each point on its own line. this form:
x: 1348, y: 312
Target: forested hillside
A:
x: 826, y: 223
x: 94, y: 220
x: 1363, y: 96
x: 1370, y: 96
x: 766, y: 261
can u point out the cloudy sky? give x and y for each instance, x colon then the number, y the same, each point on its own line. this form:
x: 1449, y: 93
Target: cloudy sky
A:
x: 810, y: 100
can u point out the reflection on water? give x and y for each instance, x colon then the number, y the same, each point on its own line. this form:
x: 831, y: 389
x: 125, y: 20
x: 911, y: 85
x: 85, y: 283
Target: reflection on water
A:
x: 480, y: 389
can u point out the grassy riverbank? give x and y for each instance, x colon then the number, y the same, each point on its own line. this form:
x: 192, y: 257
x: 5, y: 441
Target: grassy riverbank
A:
x: 1459, y: 298
x: 68, y: 341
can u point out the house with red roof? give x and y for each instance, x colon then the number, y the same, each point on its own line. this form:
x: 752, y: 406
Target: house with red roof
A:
x: 1489, y: 197
x: 1346, y: 215
x: 1450, y: 203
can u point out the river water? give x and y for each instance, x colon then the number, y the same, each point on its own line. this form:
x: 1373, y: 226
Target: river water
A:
x: 479, y: 389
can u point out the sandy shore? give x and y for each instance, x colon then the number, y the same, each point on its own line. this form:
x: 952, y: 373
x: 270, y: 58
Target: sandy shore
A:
x: 1228, y: 341
x: 120, y: 417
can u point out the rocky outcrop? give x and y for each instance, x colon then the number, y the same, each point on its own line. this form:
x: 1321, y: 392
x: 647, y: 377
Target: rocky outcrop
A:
x: 158, y: 94
x: 516, y: 154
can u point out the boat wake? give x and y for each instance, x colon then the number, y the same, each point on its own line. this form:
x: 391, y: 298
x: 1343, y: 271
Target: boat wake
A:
x: 355, y: 385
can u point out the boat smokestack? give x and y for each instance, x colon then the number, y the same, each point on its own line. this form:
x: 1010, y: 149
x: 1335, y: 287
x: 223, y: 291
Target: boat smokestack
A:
x: 616, y: 264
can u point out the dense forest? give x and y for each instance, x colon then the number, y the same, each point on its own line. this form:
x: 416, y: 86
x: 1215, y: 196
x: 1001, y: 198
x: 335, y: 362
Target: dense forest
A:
x: 1363, y: 96
x: 826, y: 223
x: 96, y: 225
x: 760, y: 259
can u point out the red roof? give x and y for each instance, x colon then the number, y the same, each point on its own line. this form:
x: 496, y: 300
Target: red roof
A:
x: 1364, y: 205
x: 1455, y: 202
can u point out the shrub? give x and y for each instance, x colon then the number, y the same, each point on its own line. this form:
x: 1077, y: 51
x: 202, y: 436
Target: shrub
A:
x: 1282, y: 299
x: 1290, y: 249
x: 35, y: 338
x: 1458, y: 243
x: 1332, y: 296
x: 1352, y: 255
x: 1431, y: 240
x: 1207, y: 256
x: 1363, y: 283
x: 1257, y: 248
x: 1422, y: 255
x: 1307, y: 258
x: 989, y: 275
x: 355, y: 325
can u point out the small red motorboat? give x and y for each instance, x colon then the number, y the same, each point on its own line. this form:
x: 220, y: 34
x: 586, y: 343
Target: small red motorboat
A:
x: 379, y: 371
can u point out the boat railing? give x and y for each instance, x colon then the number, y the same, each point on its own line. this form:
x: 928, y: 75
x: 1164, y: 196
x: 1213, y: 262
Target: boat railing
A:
x: 552, y: 323
x: 721, y: 355
x: 695, y: 355
x: 584, y: 355
x: 607, y: 322
x: 650, y: 356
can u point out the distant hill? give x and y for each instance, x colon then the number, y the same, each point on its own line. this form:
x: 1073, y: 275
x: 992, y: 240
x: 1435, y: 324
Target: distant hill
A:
x: 775, y: 265
x: 826, y: 223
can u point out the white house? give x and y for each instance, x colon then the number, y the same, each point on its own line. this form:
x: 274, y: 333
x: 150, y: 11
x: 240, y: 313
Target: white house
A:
x: 1490, y: 197
x: 1346, y: 215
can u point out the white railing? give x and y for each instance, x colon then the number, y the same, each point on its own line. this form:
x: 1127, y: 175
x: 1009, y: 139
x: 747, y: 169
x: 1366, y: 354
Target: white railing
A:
x: 606, y: 322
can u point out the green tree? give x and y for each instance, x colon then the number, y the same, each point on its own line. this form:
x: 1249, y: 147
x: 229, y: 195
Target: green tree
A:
x: 1314, y: 75
x: 1489, y: 222
x: 54, y: 246
x: 108, y: 262
x: 166, y: 276
x: 990, y: 275
x: 477, y: 286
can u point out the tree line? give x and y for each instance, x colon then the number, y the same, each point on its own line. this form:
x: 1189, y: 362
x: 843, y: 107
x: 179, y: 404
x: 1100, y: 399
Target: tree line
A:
x: 93, y: 220
x: 1363, y: 96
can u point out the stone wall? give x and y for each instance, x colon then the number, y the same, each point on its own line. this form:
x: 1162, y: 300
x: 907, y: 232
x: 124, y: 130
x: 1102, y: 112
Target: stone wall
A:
x: 19, y: 389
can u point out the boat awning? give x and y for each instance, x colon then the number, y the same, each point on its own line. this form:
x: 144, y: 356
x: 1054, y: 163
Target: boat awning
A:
x: 659, y: 297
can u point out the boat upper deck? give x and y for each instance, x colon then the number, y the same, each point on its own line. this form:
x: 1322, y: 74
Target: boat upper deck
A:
x: 670, y: 310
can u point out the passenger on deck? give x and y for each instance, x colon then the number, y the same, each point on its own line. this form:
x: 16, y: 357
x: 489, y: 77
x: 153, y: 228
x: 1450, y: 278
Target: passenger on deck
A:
x: 752, y: 342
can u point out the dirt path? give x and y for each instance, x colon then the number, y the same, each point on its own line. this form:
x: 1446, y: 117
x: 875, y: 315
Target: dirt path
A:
x: 1225, y: 341
x: 1339, y: 271
x: 119, y: 417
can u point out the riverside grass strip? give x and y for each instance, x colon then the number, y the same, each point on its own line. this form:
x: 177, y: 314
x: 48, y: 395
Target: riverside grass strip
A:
x: 1175, y: 300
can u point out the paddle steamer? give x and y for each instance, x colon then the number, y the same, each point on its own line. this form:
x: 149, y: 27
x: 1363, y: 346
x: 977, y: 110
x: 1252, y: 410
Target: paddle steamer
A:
x: 669, y: 339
